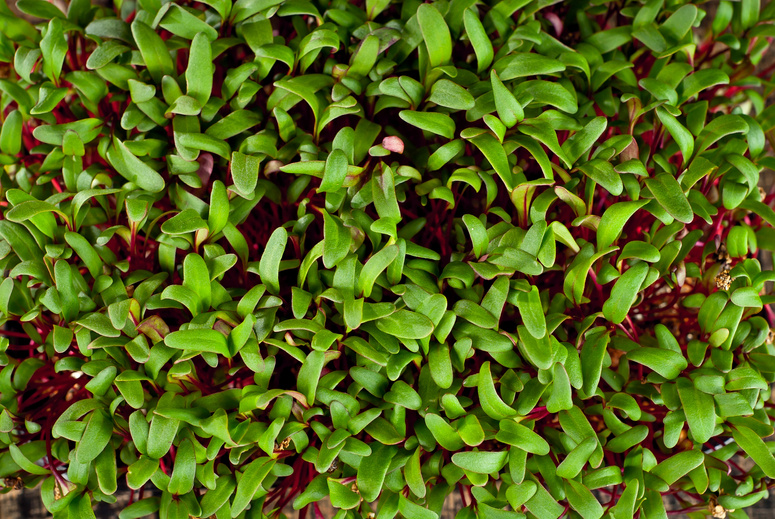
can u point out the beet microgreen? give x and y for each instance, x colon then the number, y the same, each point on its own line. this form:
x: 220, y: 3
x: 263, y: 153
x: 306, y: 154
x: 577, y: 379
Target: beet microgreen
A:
x: 262, y: 254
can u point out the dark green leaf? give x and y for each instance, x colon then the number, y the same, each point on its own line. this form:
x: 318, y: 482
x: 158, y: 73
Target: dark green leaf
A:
x: 133, y: 169
x: 438, y: 123
x: 154, y: 51
x: 668, y: 193
x: 269, y: 266
x: 435, y: 34
x: 202, y: 340
x: 755, y: 447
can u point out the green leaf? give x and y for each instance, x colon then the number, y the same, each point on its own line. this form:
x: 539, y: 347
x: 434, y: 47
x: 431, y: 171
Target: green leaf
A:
x: 701, y: 80
x: 576, y: 459
x: 720, y: 127
x: 244, y: 173
x: 309, y: 374
x: 475, y: 314
x: 204, y: 142
x: 438, y: 123
x: 364, y: 58
x: 480, y: 41
x: 186, y: 221
x: 711, y: 310
x: 334, y: 173
x: 24, y: 462
x: 87, y: 130
x: 532, y: 313
x: 98, y: 432
x: 302, y: 89
x: 509, y: 110
x: 30, y: 209
x: 755, y: 447
x: 667, y: 363
x: 202, y: 340
x: 537, y: 351
x: 133, y: 169
x: 196, y: 278
x: 746, y: 297
x: 383, y: 189
x: 218, y: 216
x: 53, y: 48
x: 518, y: 494
x: 592, y: 355
x: 11, y: 133
x: 491, y: 402
x: 154, y: 51
x: 413, y: 475
x: 677, y: 466
x: 342, y: 496
x: 680, y: 134
x: 668, y: 193
x: 374, y: 267
x: 184, y: 105
x: 604, y: 174
x: 413, y: 510
x: 447, y: 152
x: 105, y: 53
x: 404, y: 395
x: 130, y: 387
x: 374, y: 7
x: 184, y: 469
x: 373, y: 470
x: 653, y: 39
x: 582, y: 500
x: 518, y: 435
x: 746, y: 168
x: 63, y: 338
x: 319, y: 39
x: 109, y: 28
x: 625, y: 293
x: 336, y: 240
x: 451, y: 95
x: 561, y: 397
x: 749, y: 15
x: 440, y: 364
x: 182, y: 23
x: 614, y: 219
x: 680, y: 22
x: 495, y: 154
x: 546, y: 93
x: 764, y: 211
x: 699, y: 409
x: 141, y: 508
x: 444, y: 433
x: 657, y: 88
x: 471, y: 430
x: 40, y: 9
x: 269, y: 265
x: 404, y: 324
x: 478, y: 233
x: 547, y: 137
x: 435, y: 35
x: 214, y: 499
x: 249, y: 484
x: 583, y: 140
x: 233, y: 124
x: 481, y: 462
x: 610, y: 39
x: 524, y: 64
x: 575, y: 280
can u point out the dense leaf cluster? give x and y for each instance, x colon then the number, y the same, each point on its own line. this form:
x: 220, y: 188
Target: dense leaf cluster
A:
x: 265, y: 253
